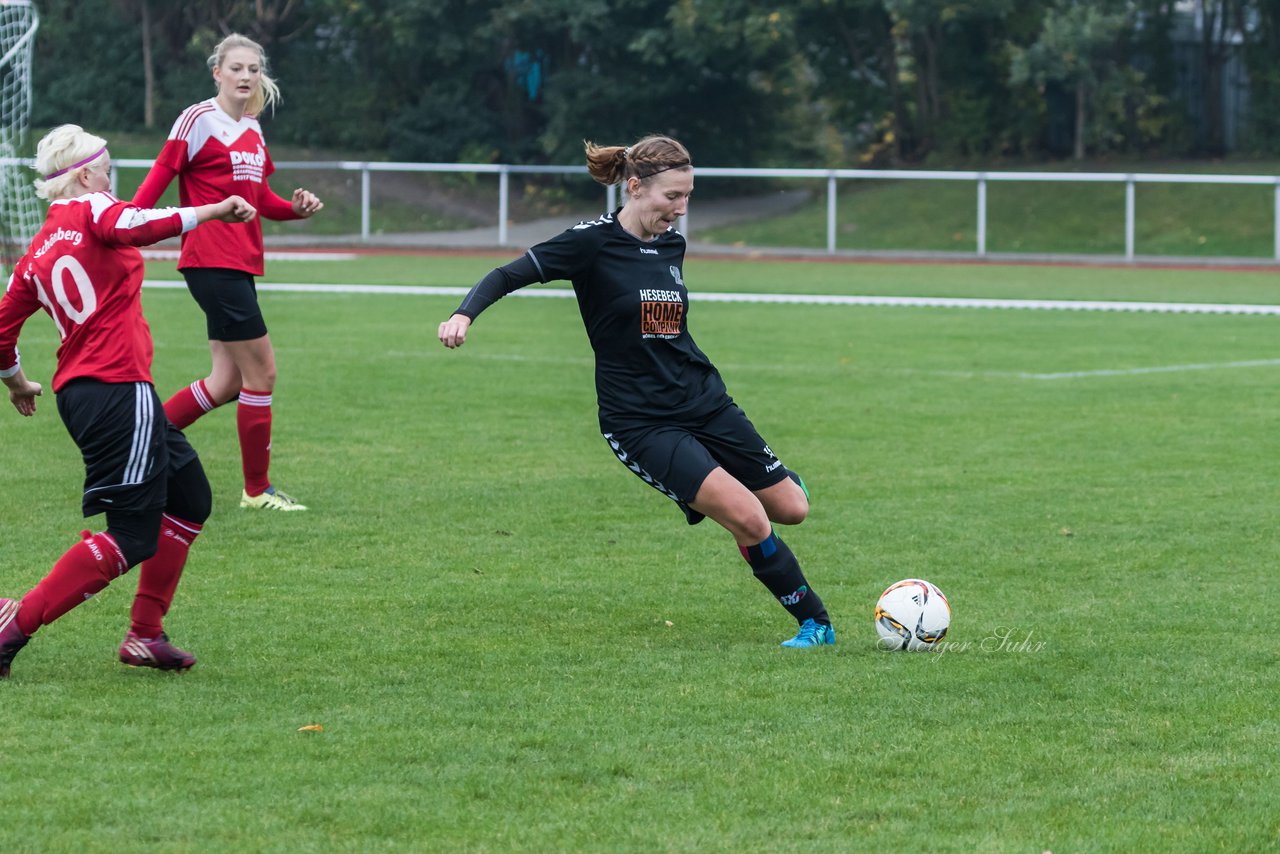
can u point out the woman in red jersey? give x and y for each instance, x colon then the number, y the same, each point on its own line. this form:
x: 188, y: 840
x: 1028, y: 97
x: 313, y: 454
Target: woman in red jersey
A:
x: 83, y: 269
x: 216, y: 148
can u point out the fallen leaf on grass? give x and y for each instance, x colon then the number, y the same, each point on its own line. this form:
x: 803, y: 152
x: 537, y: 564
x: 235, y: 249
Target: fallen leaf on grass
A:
x: 311, y: 728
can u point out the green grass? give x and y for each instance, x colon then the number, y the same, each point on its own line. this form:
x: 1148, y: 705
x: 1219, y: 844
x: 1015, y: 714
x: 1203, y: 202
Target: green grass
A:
x: 513, y: 644
x: 1196, y: 220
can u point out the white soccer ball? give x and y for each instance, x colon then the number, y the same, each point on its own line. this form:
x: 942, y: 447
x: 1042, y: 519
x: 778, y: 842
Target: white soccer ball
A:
x: 912, y: 615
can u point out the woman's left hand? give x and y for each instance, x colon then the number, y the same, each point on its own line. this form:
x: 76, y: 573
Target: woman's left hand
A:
x: 306, y: 203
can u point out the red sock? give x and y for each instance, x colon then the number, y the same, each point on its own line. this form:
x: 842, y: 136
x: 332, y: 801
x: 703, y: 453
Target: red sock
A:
x: 86, y: 568
x: 188, y: 404
x: 159, y: 574
x: 253, y: 418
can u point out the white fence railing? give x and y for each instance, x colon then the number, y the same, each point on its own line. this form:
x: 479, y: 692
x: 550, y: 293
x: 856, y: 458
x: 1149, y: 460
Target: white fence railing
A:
x: 832, y: 176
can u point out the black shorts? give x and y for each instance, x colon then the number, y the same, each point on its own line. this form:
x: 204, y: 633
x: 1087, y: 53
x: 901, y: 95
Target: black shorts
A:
x: 129, y: 446
x: 230, y: 302
x: 676, y: 458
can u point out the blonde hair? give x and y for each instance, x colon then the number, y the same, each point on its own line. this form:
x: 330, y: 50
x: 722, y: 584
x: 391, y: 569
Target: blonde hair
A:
x: 613, y: 164
x: 267, y: 92
x: 62, y: 155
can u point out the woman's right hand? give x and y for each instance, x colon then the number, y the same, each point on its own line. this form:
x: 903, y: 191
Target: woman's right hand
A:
x: 453, y: 332
x: 23, y: 393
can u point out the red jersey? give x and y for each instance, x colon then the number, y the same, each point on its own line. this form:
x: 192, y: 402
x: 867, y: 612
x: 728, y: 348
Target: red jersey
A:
x: 83, y: 269
x: 215, y: 156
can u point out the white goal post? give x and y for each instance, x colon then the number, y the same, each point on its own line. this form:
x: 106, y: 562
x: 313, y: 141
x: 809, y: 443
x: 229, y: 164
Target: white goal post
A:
x: 20, y: 215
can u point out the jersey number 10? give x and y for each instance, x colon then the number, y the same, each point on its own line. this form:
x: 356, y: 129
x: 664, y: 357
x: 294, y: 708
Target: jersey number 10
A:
x: 68, y: 266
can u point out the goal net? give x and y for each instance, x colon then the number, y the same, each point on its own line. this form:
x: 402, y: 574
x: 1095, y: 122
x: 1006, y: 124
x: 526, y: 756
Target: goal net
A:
x: 20, y: 215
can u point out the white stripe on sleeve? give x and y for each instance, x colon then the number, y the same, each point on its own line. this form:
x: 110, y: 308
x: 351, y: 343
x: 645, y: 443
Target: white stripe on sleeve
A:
x: 138, y: 217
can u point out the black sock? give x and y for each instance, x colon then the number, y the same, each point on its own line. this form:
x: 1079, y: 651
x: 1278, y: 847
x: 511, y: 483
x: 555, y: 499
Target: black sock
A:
x: 779, y: 571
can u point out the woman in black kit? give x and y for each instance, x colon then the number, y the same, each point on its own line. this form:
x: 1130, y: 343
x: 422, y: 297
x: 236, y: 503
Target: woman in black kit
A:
x: 663, y: 407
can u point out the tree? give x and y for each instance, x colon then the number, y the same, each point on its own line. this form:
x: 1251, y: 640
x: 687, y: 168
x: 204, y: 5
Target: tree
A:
x: 268, y: 22
x: 721, y: 75
x: 1262, y: 46
x: 1221, y: 23
x: 739, y: 81
x: 849, y: 51
x: 100, y: 95
x: 162, y: 27
x: 1075, y: 48
x: 950, y: 51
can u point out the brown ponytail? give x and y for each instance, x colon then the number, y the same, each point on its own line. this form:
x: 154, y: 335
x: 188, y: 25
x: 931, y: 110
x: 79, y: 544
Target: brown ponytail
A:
x: 613, y: 164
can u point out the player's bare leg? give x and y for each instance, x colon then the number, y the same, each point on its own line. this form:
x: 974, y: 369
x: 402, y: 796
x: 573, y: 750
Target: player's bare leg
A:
x: 785, y: 502
x: 224, y: 380
x: 723, y: 498
x: 744, y: 515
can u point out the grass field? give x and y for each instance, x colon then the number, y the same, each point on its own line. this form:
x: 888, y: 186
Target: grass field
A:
x: 511, y: 643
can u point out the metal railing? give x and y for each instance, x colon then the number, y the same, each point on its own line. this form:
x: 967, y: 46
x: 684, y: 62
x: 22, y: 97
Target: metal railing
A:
x: 366, y: 168
x: 980, y: 179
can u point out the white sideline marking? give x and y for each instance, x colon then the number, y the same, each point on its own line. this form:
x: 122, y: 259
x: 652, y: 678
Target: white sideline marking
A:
x: 1158, y: 369
x: 802, y: 299
x: 587, y: 361
x: 174, y: 254
x: 818, y: 299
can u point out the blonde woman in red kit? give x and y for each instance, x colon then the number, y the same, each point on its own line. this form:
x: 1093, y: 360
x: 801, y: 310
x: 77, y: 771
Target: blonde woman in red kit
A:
x: 84, y: 271
x: 215, y: 148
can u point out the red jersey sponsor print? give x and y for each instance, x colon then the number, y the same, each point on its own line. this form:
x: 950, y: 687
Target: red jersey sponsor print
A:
x: 215, y: 156
x: 83, y: 270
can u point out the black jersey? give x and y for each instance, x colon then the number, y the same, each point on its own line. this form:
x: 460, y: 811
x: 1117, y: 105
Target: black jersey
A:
x: 635, y: 307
